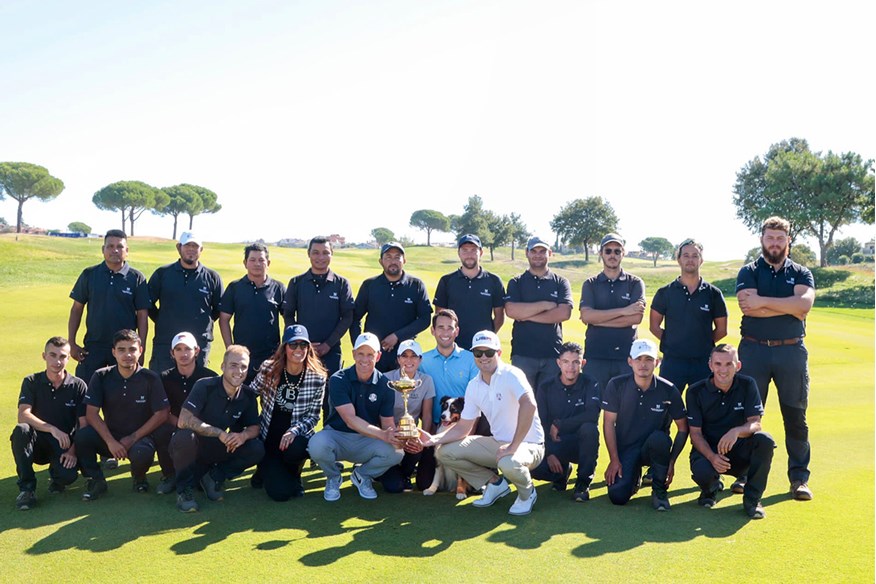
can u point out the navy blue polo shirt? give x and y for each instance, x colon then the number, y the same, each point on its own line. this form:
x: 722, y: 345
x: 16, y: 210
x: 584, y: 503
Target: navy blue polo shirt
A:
x: 177, y: 386
x: 775, y: 284
x: 209, y: 403
x: 127, y: 404
x: 256, y: 310
x: 717, y: 412
x: 600, y: 293
x: 184, y: 300
x: 688, y: 318
x: 371, y: 400
x: 568, y: 406
x: 321, y: 302
x: 400, y: 307
x: 536, y: 339
x: 639, y: 413
x: 472, y: 299
x: 112, y: 300
x: 60, y: 407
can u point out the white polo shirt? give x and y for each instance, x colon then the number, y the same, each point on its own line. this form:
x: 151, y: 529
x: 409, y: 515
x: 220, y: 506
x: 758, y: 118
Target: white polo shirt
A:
x: 499, y: 401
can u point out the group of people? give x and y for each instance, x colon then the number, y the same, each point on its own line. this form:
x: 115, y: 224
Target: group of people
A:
x: 531, y: 418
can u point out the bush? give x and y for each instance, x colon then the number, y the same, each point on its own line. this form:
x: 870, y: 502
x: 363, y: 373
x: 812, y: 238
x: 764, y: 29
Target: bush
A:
x: 857, y: 258
x: 843, y: 260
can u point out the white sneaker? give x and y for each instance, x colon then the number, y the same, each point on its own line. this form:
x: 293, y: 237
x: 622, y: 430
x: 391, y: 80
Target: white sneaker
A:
x: 493, y: 492
x: 333, y: 489
x: 366, y: 489
x: 523, y: 507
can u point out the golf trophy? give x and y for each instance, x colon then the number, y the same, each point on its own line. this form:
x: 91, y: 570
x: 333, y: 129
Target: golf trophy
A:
x: 407, y: 425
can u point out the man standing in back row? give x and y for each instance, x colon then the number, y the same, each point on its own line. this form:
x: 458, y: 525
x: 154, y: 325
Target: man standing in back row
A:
x: 539, y: 301
x: 775, y: 295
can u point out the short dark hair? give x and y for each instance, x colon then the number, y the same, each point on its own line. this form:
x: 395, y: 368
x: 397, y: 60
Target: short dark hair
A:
x: 319, y: 239
x: 776, y: 222
x: 571, y: 347
x: 445, y: 312
x: 687, y: 242
x: 255, y: 247
x: 57, y: 341
x: 722, y: 348
x: 126, y: 335
x: 114, y: 233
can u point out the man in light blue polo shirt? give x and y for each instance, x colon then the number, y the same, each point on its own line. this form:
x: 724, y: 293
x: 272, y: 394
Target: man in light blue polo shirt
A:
x: 449, y: 366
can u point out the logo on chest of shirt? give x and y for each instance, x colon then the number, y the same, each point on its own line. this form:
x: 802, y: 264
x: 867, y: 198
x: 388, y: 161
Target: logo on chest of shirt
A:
x: 236, y: 415
x: 579, y: 402
x: 70, y: 404
x: 660, y: 407
x: 333, y: 296
x: 738, y: 407
x: 554, y: 294
x: 408, y: 300
x: 625, y: 296
x: 372, y: 397
x: 705, y: 308
x: 485, y: 292
x: 140, y: 400
x: 127, y: 291
x: 203, y: 290
x: 791, y: 281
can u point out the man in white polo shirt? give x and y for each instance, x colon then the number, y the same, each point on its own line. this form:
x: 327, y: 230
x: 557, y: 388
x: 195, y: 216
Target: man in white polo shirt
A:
x: 502, y: 393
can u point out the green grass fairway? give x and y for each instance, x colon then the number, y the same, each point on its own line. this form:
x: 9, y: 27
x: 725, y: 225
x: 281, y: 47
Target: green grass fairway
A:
x: 142, y: 538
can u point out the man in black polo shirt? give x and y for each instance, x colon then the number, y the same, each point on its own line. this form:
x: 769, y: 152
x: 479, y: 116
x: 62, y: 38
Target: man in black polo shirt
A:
x: 178, y: 382
x: 50, y: 407
x: 134, y: 405
x: 638, y: 409
x: 218, y: 435
x: 539, y: 301
x: 612, y: 306
x: 474, y: 294
x: 569, y: 406
x: 185, y: 297
x: 396, y: 303
x: 256, y: 303
x: 724, y: 413
x: 694, y: 318
x: 775, y: 295
x: 117, y: 298
x: 322, y: 301
x: 361, y: 427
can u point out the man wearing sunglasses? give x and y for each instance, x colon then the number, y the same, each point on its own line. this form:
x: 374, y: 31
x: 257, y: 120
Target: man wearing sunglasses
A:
x: 502, y: 393
x: 688, y: 316
x: 612, y: 306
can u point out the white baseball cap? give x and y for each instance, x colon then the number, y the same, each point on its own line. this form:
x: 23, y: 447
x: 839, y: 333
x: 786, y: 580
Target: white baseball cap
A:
x: 189, y: 237
x: 410, y: 345
x: 643, y: 347
x: 187, y: 339
x: 368, y: 340
x: 486, y: 339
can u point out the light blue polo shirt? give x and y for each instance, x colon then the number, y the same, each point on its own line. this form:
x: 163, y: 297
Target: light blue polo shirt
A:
x: 450, y: 375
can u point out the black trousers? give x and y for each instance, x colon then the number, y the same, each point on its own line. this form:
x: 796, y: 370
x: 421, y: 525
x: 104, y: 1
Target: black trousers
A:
x: 193, y: 455
x: 29, y: 447
x: 281, y: 469
x: 751, y: 456
x: 582, y: 448
x: 654, y: 452
x: 89, y: 444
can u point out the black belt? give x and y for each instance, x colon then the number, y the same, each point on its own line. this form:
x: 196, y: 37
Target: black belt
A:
x: 774, y: 342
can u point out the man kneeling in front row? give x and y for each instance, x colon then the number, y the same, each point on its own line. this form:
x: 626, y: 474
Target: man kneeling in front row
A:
x: 724, y: 413
x: 502, y: 393
x: 218, y: 435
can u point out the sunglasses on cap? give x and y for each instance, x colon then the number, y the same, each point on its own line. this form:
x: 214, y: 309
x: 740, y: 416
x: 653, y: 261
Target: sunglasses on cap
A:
x: 489, y: 353
x: 298, y: 344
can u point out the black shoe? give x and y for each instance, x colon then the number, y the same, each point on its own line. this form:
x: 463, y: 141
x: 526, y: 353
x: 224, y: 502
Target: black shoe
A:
x: 141, y: 485
x: 707, y: 499
x: 581, y: 492
x: 738, y: 486
x: 660, y: 501
x: 212, y: 487
x: 94, y: 488
x: 55, y: 488
x: 185, y: 501
x: 755, y: 511
x: 166, y: 485
x: 25, y: 500
x: 110, y: 464
x: 562, y: 484
x: 407, y: 485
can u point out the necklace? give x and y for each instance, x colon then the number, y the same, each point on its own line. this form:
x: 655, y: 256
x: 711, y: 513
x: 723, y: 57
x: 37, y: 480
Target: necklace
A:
x: 292, y: 384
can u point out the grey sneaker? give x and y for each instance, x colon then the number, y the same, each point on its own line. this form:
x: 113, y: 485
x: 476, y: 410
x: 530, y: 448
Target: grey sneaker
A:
x: 660, y: 502
x: 364, y: 485
x: 333, y: 489
x: 212, y: 487
x: 185, y: 501
x: 166, y: 485
x: 25, y: 500
x: 801, y: 491
x: 94, y: 488
x: 755, y: 511
x: 493, y: 492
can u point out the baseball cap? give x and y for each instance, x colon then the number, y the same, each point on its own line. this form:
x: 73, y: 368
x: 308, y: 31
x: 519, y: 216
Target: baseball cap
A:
x: 392, y: 244
x: 296, y: 332
x: 486, y: 339
x: 410, y: 345
x: 189, y: 237
x: 643, y: 347
x: 368, y: 340
x: 535, y: 242
x: 469, y: 238
x: 609, y: 237
x: 187, y: 339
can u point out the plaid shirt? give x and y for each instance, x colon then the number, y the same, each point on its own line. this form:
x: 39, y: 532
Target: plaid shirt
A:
x: 305, y: 410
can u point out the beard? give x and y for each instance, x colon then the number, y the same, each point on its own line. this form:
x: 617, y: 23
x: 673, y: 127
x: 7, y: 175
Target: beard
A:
x: 774, y: 258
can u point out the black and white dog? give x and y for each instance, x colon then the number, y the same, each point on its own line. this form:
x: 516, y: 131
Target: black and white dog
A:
x: 445, y: 479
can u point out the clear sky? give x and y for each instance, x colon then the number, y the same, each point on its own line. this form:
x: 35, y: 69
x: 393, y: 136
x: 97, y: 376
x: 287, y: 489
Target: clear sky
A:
x: 337, y: 117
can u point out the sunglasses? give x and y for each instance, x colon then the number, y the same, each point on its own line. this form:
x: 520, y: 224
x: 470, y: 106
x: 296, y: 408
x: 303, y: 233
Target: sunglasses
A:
x: 614, y: 250
x: 489, y: 353
x: 299, y: 344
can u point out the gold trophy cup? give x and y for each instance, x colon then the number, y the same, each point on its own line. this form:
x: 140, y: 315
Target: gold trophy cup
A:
x: 407, y: 426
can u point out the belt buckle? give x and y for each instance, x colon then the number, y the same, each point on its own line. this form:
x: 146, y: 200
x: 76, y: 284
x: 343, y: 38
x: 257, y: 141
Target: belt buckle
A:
x: 771, y: 343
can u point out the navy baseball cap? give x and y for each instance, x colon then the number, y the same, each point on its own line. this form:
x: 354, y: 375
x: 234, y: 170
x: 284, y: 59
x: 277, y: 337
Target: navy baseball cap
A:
x: 296, y: 332
x: 609, y: 237
x: 469, y: 238
x: 535, y: 242
x: 392, y: 244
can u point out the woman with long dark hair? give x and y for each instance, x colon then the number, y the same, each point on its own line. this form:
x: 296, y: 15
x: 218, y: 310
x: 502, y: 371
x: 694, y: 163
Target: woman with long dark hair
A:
x: 290, y: 385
